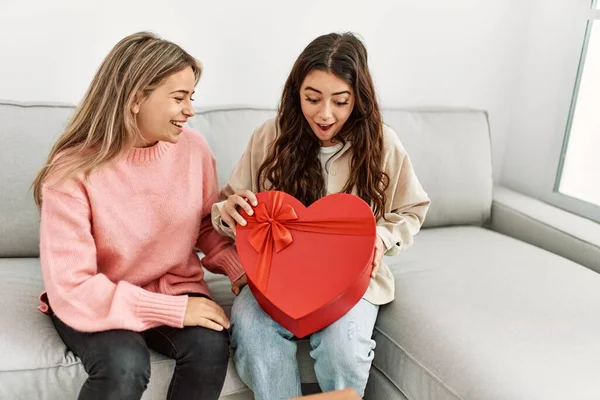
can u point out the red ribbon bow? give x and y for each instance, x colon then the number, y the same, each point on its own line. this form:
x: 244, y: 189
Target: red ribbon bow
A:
x: 271, y: 229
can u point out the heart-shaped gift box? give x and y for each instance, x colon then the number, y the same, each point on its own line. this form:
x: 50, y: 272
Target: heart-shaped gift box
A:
x: 307, y: 266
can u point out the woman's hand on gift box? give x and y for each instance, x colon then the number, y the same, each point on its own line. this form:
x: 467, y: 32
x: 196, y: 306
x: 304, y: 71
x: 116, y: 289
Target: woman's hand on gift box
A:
x: 201, y: 311
x: 237, y: 286
x: 243, y: 199
x: 377, y: 256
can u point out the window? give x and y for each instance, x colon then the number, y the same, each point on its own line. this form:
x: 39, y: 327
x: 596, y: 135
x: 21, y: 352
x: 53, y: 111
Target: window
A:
x: 579, y: 170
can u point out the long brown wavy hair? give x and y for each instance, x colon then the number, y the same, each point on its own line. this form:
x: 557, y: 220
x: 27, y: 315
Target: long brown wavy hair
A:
x: 292, y: 165
x: 103, y: 125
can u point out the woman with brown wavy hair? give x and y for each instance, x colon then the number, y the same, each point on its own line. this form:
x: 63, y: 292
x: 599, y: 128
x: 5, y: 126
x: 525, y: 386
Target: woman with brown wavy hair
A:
x: 328, y: 137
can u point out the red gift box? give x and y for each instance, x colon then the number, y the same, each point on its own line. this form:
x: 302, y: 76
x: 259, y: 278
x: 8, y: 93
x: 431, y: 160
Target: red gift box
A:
x: 307, y: 266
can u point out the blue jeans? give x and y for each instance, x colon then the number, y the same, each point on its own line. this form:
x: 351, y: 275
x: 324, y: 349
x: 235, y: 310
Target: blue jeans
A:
x: 265, y: 353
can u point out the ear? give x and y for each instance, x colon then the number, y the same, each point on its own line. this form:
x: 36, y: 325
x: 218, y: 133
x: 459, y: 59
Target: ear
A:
x: 135, y: 107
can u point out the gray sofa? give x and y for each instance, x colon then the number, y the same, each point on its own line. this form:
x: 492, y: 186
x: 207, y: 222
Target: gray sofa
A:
x: 480, y: 312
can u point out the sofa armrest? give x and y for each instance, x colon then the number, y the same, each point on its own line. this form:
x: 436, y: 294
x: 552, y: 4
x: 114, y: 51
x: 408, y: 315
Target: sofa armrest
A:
x: 545, y: 226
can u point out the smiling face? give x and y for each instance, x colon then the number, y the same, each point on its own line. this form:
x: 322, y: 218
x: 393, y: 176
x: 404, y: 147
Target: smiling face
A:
x: 161, y: 115
x: 327, y: 101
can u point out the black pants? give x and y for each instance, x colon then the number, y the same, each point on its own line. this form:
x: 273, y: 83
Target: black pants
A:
x: 118, y: 361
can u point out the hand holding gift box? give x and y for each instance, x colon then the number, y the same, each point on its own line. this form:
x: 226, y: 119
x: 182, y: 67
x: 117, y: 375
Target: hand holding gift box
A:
x: 307, y: 267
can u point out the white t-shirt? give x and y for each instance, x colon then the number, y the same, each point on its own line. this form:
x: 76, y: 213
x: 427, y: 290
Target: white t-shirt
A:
x: 325, y: 153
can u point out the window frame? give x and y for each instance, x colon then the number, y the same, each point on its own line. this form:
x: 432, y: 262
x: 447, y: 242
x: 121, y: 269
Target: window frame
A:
x: 554, y: 175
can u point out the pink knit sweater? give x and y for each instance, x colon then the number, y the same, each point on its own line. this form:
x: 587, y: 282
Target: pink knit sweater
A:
x: 118, y: 250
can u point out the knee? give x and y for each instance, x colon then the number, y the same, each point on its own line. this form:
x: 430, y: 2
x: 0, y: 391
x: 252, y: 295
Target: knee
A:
x: 124, y: 365
x: 336, y: 356
x: 215, y: 342
x: 205, y: 346
x: 355, y: 358
x: 345, y: 350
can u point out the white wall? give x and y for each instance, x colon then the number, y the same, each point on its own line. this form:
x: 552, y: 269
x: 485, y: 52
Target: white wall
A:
x: 552, y: 47
x: 432, y: 53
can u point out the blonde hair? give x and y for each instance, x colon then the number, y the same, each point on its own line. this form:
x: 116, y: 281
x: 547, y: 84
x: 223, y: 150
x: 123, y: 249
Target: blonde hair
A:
x: 103, y: 125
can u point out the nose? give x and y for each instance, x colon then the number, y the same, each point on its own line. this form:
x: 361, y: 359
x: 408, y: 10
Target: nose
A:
x: 325, y: 113
x: 188, y: 110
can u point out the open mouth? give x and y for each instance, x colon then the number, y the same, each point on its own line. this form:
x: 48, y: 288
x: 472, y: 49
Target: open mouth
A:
x: 325, y: 128
x: 178, y: 124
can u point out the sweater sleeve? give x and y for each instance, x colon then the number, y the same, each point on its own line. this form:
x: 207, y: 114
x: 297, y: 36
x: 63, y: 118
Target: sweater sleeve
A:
x: 407, y: 202
x: 220, y: 255
x: 79, y: 295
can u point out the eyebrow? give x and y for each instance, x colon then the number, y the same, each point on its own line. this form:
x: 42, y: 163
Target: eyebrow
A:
x: 334, y: 94
x: 182, y: 91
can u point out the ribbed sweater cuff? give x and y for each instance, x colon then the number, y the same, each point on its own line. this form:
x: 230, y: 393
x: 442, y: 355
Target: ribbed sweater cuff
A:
x: 230, y: 262
x: 160, y: 309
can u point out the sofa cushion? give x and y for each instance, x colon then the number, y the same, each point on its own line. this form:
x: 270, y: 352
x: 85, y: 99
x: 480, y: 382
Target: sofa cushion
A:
x: 27, y: 134
x: 227, y: 131
x: 451, y: 152
x: 479, y: 315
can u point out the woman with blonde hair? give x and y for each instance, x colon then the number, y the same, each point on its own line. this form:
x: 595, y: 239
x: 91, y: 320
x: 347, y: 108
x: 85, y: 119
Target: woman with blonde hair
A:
x: 125, y: 198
